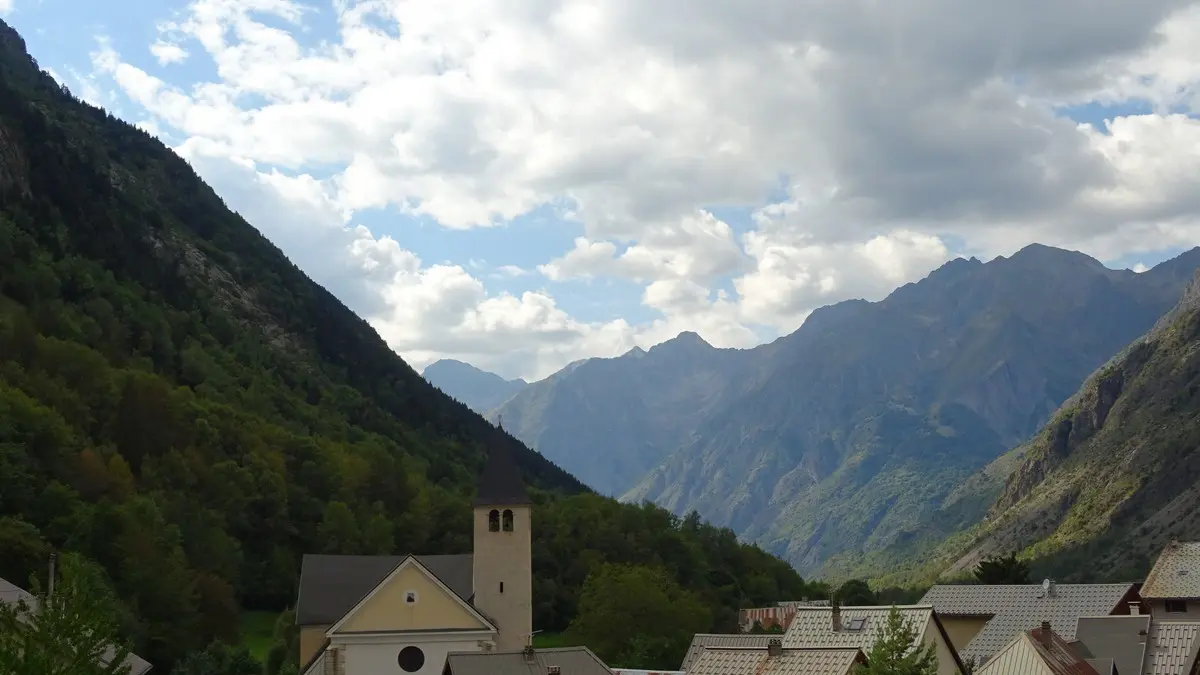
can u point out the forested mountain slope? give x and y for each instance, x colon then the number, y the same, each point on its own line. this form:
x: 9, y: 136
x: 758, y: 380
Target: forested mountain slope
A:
x: 183, y: 405
x: 1115, y: 474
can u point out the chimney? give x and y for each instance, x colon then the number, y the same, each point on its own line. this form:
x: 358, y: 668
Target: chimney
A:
x: 1045, y: 634
x: 835, y: 615
x: 1135, y: 608
x: 774, y: 647
x: 528, y: 654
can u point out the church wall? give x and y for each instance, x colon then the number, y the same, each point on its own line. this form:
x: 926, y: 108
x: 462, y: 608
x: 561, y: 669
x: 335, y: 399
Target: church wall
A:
x: 378, y: 655
x: 503, y: 560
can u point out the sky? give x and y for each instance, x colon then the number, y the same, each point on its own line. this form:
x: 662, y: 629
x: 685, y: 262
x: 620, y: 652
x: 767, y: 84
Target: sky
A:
x: 525, y: 183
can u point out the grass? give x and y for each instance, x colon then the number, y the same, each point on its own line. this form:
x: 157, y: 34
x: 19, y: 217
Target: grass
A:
x: 549, y: 641
x: 257, y: 630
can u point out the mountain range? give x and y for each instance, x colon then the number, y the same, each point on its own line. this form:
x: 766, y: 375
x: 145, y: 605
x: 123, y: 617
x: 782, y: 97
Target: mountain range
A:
x: 477, y: 389
x: 837, y: 446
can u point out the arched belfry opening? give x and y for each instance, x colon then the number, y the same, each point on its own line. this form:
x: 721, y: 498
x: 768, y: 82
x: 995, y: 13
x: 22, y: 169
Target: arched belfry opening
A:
x: 494, y: 521
x: 508, y: 520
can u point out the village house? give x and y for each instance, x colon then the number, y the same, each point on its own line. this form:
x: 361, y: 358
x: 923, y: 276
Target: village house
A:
x: 1172, y: 589
x: 777, y: 660
x: 557, y: 661
x: 363, y: 615
x: 860, y: 627
x: 11, y: 594
x: 983, y: 619
x: 1041, y: 651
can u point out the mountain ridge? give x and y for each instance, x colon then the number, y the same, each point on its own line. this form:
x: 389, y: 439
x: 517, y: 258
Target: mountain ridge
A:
x: 476, y: 388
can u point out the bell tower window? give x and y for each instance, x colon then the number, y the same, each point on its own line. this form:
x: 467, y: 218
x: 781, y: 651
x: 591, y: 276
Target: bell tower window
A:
x: 508, y: 520
x: 494, y: 521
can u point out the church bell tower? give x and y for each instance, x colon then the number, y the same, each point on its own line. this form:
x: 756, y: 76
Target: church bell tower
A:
x: 503, y: 549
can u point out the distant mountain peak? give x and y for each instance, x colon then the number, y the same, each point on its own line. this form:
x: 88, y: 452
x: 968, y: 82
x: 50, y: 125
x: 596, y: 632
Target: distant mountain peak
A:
x: 479, y: 389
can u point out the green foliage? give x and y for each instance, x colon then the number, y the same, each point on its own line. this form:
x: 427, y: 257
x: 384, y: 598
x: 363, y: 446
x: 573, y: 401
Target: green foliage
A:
x: 855, y: 592
x: 1005, y: 569
x: 72, y: 632
x: 219, y: 659
x: 182, y: 406
x: 637, y: 617
x: 894, y: 653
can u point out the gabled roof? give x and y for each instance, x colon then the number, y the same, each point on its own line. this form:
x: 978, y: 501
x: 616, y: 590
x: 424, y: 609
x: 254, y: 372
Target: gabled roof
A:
x: 1060, y: 657
x: 1025, y: 654
x: 813, y: 626
x: 410, y: 561
x: 330, y: 585
x: 739, y: 640
x: 12, y: 594
x: 1121, y: 639
x: 500, y: 483
x: 740, y: 661
x: 1176, y: 574
x: 1018, y: 608
x: 1172, y: 648
x: 570, y: 660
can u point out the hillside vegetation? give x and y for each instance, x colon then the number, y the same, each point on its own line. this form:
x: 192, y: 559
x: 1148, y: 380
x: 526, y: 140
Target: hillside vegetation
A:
x: 1113, y: 475
x: 182, y: 405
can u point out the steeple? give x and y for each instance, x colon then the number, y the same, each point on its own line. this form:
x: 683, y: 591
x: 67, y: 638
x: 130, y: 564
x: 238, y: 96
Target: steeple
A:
x: 500, y: 483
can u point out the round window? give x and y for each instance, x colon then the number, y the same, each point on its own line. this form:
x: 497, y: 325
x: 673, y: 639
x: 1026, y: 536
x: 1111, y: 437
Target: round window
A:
x: 411, y: 659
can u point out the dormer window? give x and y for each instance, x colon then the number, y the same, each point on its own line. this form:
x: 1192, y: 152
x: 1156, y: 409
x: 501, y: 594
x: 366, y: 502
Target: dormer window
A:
x: 508, y: 520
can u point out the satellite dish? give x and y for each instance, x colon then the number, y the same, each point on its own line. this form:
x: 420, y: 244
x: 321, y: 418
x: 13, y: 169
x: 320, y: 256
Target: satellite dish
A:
x: 1046, y: 585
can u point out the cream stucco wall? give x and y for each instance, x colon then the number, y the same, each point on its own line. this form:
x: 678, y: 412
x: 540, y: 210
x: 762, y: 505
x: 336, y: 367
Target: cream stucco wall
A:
x: 962, y: 629
x: 377, y: 655
x: 388, y: 610
x: 1158, y: 609
x: 504, y: 576
x: 946, y: 663
x: 311, y: 639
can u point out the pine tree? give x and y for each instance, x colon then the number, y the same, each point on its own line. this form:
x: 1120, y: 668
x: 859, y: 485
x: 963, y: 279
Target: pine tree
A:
x: 898, y: 652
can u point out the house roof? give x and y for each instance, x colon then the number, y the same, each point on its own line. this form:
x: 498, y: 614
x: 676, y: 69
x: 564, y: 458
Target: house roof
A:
x: 1172, y: 648
x: 330, y: 585
x: 813, y: 626
x: 1102, y: 666
x: 1118, y: 638
x: 1176, y: 574
x: 1017, y: 608
x: 742, y: 640
x: 11, y: 594
x: 1060, y: 657
x: 500, y: 483
x: 742, y: 661
x: 570, y: 660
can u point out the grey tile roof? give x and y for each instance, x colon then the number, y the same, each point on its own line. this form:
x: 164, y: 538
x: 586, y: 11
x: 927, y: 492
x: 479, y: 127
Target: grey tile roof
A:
x: 733, y: 661
x: 1018, y: 608
x: 1176, y: 574
x: 330, y: 585
x: 742, y: 640
x: 570, y: 660
x: 813, y: 626
x: 1102, y: 666
x: 1172, y: 648
x: 10, y: 594
x: 1119, y: 638
x: 500, y: 483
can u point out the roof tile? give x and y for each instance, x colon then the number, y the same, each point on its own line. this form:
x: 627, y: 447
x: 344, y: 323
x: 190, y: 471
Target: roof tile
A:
x: 1176, y: 574
x: 734, y: 661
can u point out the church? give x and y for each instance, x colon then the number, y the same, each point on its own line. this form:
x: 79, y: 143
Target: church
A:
x: 368, y: 615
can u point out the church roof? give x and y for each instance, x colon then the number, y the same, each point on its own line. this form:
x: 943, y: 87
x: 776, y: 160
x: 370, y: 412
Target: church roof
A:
x: 330, y: 585
x: 500, y: 483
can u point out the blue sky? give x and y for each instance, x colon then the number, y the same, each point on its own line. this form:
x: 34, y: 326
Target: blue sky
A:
x: 639, y: 146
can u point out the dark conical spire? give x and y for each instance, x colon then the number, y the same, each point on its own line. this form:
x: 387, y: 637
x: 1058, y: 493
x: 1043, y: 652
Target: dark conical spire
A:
x: 501, y: 484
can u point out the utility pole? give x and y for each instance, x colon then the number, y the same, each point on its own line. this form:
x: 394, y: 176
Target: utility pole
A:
x: 50, y: 587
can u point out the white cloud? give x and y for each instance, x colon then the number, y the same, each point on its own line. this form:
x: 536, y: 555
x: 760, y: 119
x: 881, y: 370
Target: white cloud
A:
x: 896, y: 128
x: 168, y: 53
x: 6, y: 7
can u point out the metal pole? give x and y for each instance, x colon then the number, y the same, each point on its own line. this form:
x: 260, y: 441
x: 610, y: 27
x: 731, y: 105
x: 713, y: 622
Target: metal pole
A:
x: 53, y: 559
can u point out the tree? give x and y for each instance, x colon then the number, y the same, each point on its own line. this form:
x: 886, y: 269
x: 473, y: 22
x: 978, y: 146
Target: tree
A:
x: 637, y: 617
x: 218, y: 659
x: 855, y: 592
x: 72, y: 632
x: 1006, y: 570
x: 897, y: 652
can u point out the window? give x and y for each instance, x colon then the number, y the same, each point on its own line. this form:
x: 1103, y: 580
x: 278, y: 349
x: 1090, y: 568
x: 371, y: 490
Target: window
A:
x: 501, y: 586
x: 494, y: 521
x: 508, y: 520
x: 1176, y: 606
x: 410, y: 597
x: 411, y: 659
x: 856, y: 624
